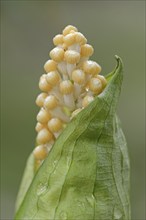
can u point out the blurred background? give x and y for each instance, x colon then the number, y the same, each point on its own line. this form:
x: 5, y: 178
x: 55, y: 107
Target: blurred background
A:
x: 112, y: 27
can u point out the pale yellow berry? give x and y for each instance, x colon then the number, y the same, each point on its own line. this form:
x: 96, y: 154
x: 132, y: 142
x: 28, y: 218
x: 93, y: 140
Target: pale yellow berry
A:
x: 55, y: 124
x: 72, y: 32
x: 66, y: 87
x: 78, y: 76
x: 69, y: 39
x: 91, y: 67
x: 44, y: 136
x: 40, y: 152
x: 103, y: 80
x: 39, y: 126
x: 86, y: 50
x: 43, y: 84
x: 58, y: 39
x: 50, y: 65
x: 87, y: 100
x: 40, y: 99
x: 79, y: 38
x: 53, y: 78
x: 43, y: 116
x: 72, y: 56
x: 95, y: 85
x: 37, y: 164
x: 57, y: 54
x: 69, y: 28
x: 51, y: 102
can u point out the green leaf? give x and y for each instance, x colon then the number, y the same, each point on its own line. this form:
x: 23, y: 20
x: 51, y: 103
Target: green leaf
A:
x: 26, y: 181
x: 86, y: 175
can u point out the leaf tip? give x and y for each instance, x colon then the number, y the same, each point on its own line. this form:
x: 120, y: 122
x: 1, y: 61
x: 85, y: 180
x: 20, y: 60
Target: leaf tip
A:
x: 119, y: 62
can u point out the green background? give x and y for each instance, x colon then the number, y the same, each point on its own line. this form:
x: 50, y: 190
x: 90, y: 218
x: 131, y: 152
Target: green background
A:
x: 112, y: 27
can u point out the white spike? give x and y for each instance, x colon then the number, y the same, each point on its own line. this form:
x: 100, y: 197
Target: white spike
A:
x: 57, y: 112
x: 69, y: 101
x: 70, y: 68
x: 75, y: 47
x: 62, y: 68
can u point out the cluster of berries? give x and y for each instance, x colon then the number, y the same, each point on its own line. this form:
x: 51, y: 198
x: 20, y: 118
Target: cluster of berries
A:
x: 70, y: 83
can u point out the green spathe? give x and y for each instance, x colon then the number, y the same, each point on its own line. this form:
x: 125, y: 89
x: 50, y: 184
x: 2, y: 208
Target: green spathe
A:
x: 86, y: 175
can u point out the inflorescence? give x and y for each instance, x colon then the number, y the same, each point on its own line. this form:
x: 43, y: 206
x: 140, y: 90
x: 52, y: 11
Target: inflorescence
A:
x: 70, y: 83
